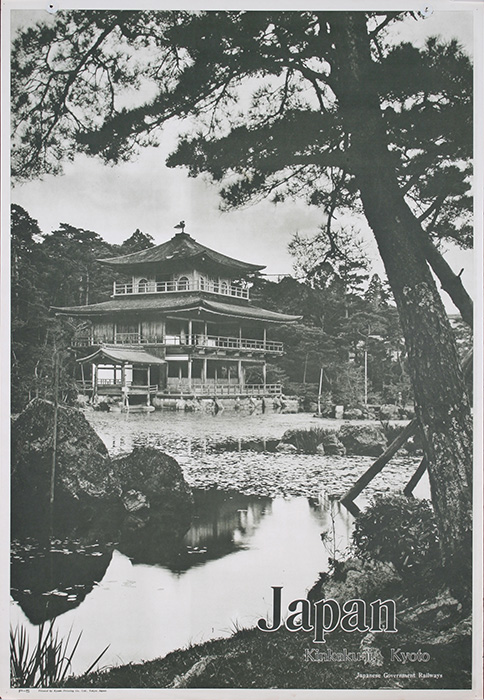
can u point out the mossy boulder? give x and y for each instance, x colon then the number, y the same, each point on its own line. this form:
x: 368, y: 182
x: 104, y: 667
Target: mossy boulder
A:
x: 155, y: 475
x: 332, y: 445
x: 152, y: 480
x: 356, y: 578
x: 366, y: 440
x: 353, y: 414
x: 286, y: 448
x: 83, y: 473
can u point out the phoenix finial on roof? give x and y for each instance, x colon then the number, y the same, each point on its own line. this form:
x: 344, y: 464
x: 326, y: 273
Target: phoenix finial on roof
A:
x: 181, y: 226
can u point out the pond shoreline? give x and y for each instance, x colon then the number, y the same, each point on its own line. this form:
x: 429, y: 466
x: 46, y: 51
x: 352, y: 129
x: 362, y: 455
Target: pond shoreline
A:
x: 251, y: 658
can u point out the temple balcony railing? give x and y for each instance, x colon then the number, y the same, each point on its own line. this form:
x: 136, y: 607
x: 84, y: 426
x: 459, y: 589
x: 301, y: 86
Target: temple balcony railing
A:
x: 197, y: 387
x: 224, y: 342
x: 88, y: 385
x: 263, y: 389
x: 224, y: 289
x: 184, y: 387
x: 199, y: 341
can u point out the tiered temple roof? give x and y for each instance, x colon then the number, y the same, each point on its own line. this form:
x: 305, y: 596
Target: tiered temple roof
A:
x: 181, y: 249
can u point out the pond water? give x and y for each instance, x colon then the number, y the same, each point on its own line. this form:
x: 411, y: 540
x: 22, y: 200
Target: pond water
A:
x: 237, y: 548
x: 195, y: 439
x: 257, y: 523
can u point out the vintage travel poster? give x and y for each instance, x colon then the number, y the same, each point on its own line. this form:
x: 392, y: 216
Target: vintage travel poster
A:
x: 241, y: 326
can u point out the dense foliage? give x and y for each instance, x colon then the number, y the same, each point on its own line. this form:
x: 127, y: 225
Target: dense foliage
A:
x: 55, y: 269
x: 288, y: 139
x: 329, y: 345
x: 402, y: 531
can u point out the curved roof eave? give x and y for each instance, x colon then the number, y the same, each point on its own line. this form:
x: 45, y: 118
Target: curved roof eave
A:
x: 181, y: 247
x: 194, y: 304
x: 117, y: 354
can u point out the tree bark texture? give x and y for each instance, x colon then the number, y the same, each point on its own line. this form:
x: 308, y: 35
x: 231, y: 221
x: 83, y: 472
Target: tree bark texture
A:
x: 451, y: 283
x: 441, y: 401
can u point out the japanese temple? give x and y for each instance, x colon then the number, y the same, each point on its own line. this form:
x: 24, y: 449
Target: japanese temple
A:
x: 180, y: 325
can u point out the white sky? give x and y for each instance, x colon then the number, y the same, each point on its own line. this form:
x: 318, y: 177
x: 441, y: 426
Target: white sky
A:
x: 144, y: 194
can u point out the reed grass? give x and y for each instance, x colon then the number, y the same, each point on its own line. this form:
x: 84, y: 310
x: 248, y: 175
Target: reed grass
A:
x: 45, y: 664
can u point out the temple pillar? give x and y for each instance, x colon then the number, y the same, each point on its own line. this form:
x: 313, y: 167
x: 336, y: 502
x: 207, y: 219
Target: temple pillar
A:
x: 94, y: 383
x: 124, y: 387
x: 82, y: 378
x: 240, y: 369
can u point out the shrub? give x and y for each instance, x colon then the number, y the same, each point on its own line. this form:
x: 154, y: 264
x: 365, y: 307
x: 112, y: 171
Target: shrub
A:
x: 391, y: 430
x: 402, y: 531
x: 308, y: 440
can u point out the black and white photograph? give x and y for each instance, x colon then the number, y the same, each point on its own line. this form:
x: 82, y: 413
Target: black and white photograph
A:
x: 242, y: 350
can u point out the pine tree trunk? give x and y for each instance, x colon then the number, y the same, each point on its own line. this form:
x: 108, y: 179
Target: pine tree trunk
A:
x: 441, y: 401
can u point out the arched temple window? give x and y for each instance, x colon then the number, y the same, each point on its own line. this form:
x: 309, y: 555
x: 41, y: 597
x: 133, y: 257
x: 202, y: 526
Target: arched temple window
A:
x: 183, y: 283
x: 143, y: 286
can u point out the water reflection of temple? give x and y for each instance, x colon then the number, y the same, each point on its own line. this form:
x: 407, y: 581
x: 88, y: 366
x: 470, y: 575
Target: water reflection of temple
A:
x: 336, y: 520
x: 225, y: 517
x: 48, y: 581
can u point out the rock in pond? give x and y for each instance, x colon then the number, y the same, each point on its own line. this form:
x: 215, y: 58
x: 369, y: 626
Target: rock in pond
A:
x: 83, y: 474
x: 153, y: 490
x: 363, y: 439
x: 353, y: 414
x: 332, y: 445
x: 286, y: 448
x: 159, y: 503
x: 153, y: 474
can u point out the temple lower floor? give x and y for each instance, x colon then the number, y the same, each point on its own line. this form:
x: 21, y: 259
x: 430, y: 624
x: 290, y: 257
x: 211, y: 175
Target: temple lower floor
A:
x: 179, y: 376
